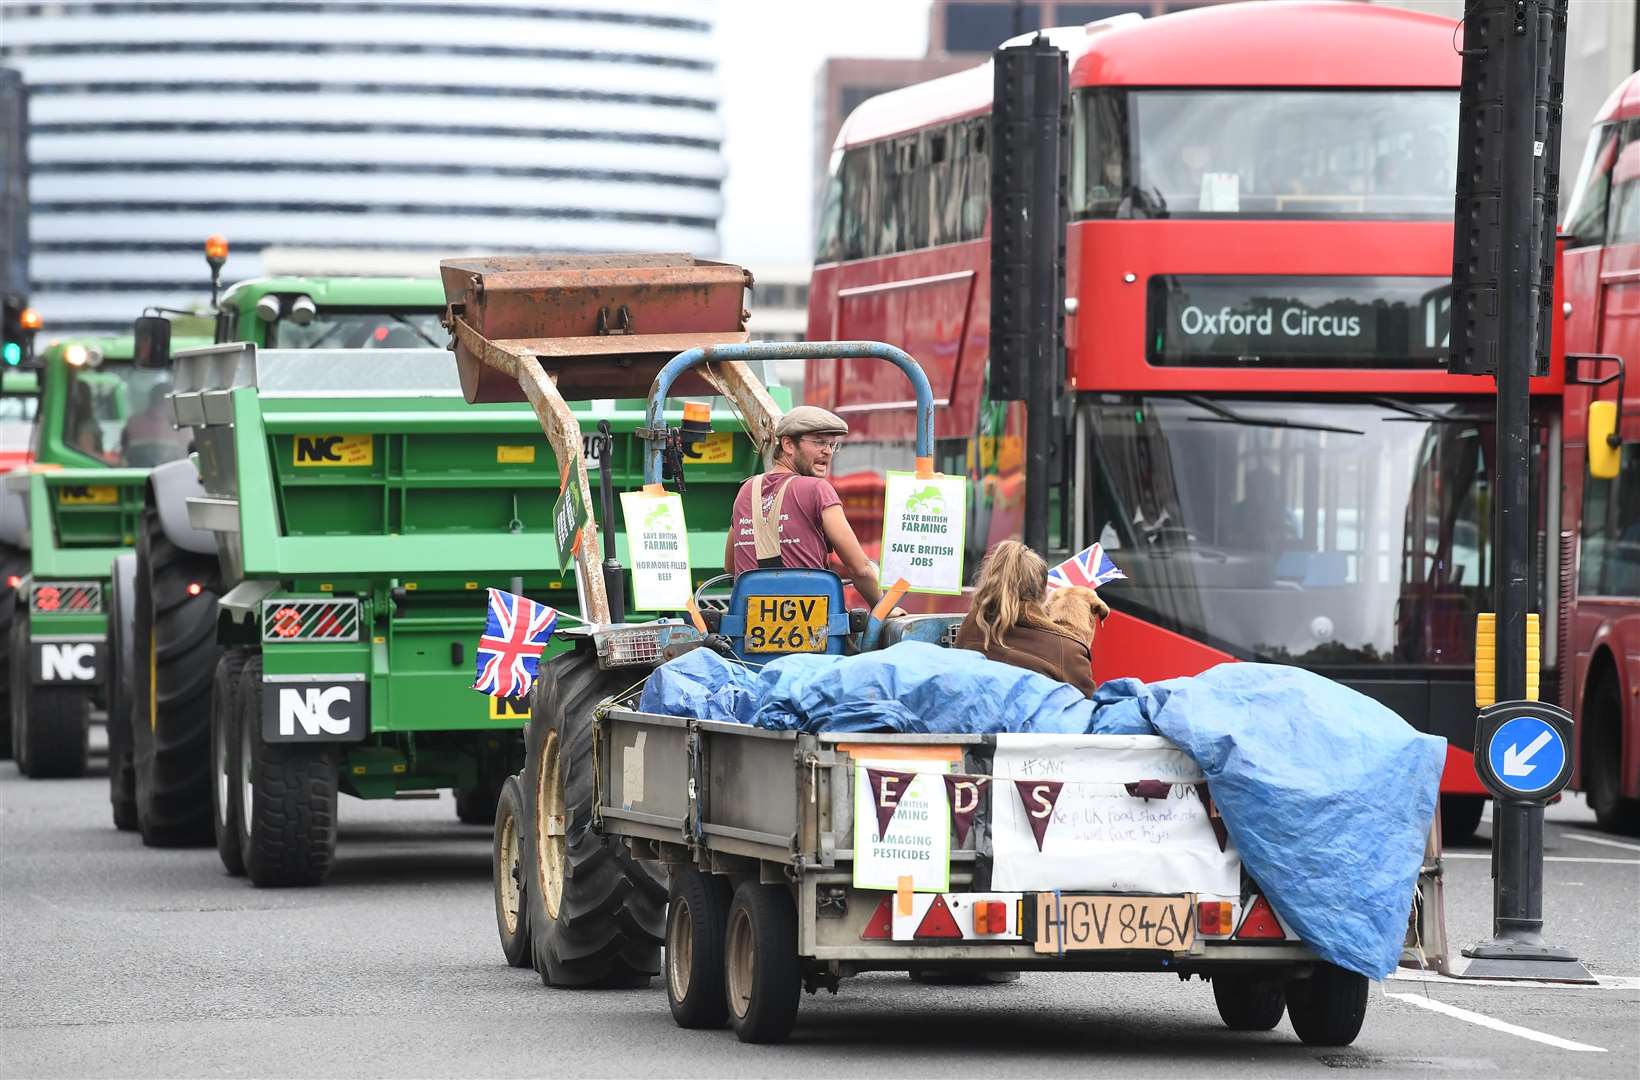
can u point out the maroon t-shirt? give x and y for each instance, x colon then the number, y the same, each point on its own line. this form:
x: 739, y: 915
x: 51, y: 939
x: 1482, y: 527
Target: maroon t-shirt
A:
x: 802, y: 537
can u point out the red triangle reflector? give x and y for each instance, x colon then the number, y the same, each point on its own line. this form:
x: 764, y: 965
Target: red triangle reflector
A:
x: 939, y: 922
x: 881, y: 926
x: 1260, y: 923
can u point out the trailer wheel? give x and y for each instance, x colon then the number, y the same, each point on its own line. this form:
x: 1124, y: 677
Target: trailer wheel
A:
x: 48, y: 722
x: 760, y: 967
x: 226, y: 800
x: 697, y: 914
x: 1327, y: 1009
x: 287, y: 796
x: 122, y: 780
x: 477, y: 806
x: 595, y: 911
x: 1249, y: 1003
x: 174, y: 643
x: 511, y: 917
x: 13, y: 563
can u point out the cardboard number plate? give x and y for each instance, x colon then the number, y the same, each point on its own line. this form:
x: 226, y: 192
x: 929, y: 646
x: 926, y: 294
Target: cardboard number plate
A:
x: 787, y: 624
x: 1164, y: 923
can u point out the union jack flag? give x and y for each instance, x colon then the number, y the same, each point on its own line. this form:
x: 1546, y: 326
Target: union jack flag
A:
x: 1091, y: 568
x: 509, y: 651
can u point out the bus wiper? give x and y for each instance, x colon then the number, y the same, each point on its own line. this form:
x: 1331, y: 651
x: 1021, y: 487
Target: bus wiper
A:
x: 1224, y: 415
x: 1418, y: 412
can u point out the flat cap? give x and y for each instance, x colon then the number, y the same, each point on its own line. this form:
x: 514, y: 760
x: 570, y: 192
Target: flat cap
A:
x: 809, y: 420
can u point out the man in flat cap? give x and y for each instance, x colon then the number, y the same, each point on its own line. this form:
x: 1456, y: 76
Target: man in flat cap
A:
x: 790, y: 515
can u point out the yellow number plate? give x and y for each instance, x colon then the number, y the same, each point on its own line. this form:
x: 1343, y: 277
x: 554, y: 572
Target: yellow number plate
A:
x: 717, y: 448
x: 99, y: 495
x: 787, y: 624
x: 1165, y: 923
x: 333, y: 450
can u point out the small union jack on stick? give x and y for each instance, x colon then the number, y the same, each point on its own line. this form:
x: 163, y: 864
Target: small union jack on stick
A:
x: 1090, y: 568
x: 509, y: 652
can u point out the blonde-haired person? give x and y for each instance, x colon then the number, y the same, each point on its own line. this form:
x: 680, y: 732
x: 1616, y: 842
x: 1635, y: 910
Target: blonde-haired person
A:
x: 1008, y: 620
x: 1078, y: 611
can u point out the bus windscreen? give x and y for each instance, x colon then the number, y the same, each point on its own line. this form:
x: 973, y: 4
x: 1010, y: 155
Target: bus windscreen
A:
x: 1368, y: 154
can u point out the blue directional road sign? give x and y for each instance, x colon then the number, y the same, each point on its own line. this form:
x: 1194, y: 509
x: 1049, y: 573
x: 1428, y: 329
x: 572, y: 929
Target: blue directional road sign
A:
x: 1524, y: 749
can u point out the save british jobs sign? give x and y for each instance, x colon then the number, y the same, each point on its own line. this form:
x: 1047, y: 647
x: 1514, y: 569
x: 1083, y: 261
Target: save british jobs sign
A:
x: 924, y: 523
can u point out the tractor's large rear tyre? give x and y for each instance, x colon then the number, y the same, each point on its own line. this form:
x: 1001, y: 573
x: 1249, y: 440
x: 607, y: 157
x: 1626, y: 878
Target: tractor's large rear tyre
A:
x: 48, y: 723
x: 1328, y: 1008
x: 227, y: 801
x: 596, y: 913
x: 507, y: 875
x: 175, y: 648
x: 288, y: 798
x: 1247, y: 1003
x: 1603, y: 758
x: 13, y: 563
x: 697, y: 915
x: 122, y: 675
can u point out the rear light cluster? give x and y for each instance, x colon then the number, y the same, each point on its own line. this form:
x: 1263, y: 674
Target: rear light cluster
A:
x: 65, y: 598
x: 307, y: 620
x: 1217, y: 918
x: 644, y: 644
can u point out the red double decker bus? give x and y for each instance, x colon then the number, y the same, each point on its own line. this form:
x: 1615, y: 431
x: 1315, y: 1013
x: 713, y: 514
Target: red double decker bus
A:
x: 1258, y: 423
x: 1601, y: 634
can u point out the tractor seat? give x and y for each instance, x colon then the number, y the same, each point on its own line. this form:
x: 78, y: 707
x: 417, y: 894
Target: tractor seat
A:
x: 778, y: 612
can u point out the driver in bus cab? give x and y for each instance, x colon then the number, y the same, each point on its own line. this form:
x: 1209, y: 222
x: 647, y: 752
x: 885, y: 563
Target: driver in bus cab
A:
x: 791, y: 516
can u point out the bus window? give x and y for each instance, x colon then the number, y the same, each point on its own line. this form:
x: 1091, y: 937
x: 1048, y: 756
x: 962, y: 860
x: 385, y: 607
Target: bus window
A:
x: 1268, y: 153
x: 828, y: 245
x: 1624, y: 219
x: 1586, y: 214
x: 1609, y: 564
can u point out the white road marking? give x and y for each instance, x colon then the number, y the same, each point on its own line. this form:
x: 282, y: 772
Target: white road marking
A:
x: 1481, y: 1020
x: 1477, y: 855
x: 1606, y: 982
x: 1603, y: 841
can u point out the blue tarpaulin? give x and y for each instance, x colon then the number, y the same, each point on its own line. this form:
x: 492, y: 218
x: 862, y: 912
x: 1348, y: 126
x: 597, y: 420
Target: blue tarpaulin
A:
x: 1328, y: 794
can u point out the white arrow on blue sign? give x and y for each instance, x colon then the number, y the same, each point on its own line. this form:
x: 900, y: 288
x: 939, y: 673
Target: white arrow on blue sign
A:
x: 1526, y: 754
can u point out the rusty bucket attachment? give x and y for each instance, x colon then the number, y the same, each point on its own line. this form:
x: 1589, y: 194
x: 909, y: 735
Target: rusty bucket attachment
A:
x: 600, y: 326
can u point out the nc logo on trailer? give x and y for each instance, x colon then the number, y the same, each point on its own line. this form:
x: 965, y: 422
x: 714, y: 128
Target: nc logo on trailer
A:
x: 313, y: 712
x: 1523, y: 749
x: 67, y: 662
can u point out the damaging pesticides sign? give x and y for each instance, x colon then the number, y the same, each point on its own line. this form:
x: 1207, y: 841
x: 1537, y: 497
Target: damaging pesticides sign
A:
x: 923, y: 525
x: 657, y: 548
x: 902, y: 825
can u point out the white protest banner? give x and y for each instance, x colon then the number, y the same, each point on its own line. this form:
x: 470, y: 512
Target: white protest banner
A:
x: 657, y: 548
x: 924, y: 520
x: 1093, y: 834
x: 916, y: 841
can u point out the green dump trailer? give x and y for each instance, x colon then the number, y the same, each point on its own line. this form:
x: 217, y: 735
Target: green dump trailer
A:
x: 297, y: 313
x: 317, y: 591
x: 99, y: 425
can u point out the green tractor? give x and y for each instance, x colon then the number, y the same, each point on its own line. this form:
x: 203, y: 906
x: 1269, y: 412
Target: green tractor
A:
x: 98, y: 425
x: 309, y: 590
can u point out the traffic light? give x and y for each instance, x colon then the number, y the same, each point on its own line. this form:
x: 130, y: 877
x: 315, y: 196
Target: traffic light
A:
x: 21, y: 321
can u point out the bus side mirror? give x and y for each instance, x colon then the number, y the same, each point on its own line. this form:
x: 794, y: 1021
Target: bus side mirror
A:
x: 1605, y: 449
x: 152, y: 345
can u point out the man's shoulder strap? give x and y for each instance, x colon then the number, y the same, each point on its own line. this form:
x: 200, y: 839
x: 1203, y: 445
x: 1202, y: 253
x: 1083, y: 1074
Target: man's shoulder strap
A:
x: 766, y: 526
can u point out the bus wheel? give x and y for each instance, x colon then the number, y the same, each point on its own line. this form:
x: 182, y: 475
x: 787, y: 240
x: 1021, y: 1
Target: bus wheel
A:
x: 696, y: 915
x: 760, y: 965
x: 1603, y: 761
x: 1460, y: 817
x: 1327, y: 1009
x: 1248, y: 1003
x: 511, y: 917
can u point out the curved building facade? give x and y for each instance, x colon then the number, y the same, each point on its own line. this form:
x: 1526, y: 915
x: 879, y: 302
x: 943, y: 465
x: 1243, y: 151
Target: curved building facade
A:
x: 423, y: 127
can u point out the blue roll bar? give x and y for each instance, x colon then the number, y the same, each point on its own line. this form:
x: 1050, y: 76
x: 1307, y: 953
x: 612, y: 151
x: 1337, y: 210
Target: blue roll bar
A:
x: 788, y: 350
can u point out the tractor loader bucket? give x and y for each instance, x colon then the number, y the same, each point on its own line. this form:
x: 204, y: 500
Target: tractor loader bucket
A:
x: 546, y: 328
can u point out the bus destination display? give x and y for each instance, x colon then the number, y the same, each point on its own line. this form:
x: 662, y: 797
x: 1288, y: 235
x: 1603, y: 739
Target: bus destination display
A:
x: 1299, y: 322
